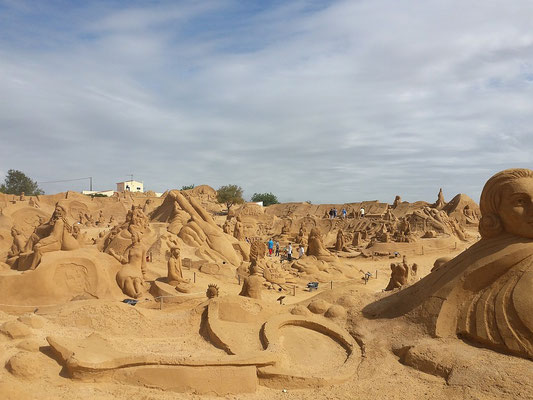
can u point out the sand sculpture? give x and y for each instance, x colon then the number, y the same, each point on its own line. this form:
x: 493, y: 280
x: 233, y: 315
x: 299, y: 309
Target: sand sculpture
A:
x: 17, y: 247
x: 131, y: 276
x: 258, y: 251
x: 357, y: 239
x: 175, y: 272
x: 264, y: 271
x: 238, y: 230
x: 174, y: 266
x: 440, y: 203
x: 253, y: 284
x: 397, y: 201
x: 315, y: 246
x: 399, y: 276
x: 212, y: 291
x: 227, y: 227
x: 483, y: 294
x: 440, y: 262
x: 414, y: 270
x: 54, y: 235
x: 339, y: 243
x: 119, y: 239
x: 80, y: 236
x: 389, y: 216
x: 231, y: 343
x: 196, y: 228
x: 100, y: 221
x: 33, y: 203
x: 302, y: 236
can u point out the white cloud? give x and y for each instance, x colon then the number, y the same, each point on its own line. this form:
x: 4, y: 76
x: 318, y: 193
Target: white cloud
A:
x: 341, y: 101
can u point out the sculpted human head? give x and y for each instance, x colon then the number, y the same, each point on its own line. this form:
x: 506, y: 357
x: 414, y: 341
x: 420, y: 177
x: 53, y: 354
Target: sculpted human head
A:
x: 59, y: 212
x: 506, y: 204
x: 175, y: 252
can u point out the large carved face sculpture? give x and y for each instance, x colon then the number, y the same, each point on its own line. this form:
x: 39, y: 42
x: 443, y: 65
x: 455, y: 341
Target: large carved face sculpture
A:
x: 516, y: 207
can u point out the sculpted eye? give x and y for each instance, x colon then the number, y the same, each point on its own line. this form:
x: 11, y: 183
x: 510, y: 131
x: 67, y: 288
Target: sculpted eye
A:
x: 520, y: 201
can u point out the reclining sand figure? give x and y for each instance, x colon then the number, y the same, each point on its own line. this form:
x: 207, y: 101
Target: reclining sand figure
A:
x: 54, y: 235
x: 484, y: 294
x: 130, y: 278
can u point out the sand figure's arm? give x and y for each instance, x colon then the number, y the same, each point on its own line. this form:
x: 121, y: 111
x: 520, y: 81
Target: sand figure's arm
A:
x: 120, y: 259
x: 55, y: 235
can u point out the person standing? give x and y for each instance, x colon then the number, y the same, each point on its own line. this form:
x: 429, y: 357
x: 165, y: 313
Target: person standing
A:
x: 277, y: 248
x: 301, y: 251
x: 289, y: 252
x: 270, y: 247
x: 344, y: 213
x: 362, y: 212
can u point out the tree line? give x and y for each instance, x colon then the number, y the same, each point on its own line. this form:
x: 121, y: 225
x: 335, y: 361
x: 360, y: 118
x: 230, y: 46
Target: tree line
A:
x: 17, y: 182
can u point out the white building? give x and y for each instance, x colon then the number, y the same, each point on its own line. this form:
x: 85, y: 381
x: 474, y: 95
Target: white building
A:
x: 130, y: 186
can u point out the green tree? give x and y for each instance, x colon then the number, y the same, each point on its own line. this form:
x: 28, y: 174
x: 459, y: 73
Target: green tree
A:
x: 266, y: 198
x: 97, y: 195
x: 230, y: 195
x: 187, y: 187
x: 16, y: 182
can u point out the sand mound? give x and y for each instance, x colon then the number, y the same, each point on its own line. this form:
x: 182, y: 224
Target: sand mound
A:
x: 62, y: 277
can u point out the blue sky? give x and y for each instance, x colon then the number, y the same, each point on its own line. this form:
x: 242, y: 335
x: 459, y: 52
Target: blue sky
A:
x: 328, y: 101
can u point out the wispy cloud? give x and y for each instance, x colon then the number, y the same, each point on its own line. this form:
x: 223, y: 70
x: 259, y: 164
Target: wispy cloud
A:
x: 312, y: 100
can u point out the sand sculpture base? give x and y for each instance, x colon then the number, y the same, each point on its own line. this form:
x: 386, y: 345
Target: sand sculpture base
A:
x: 285, y: 351
x: 461, y: 364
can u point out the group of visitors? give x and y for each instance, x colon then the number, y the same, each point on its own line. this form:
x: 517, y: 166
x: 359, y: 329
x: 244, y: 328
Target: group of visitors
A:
x: 273, y: 247
x: 333, y: 213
